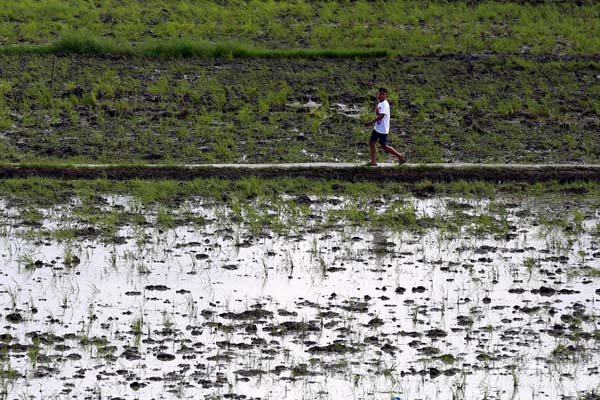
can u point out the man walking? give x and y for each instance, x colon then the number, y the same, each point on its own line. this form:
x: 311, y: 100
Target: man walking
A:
x: 381, y: 128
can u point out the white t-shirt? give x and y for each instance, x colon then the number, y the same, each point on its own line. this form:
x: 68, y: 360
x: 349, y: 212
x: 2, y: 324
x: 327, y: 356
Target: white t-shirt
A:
x: 383, y: 125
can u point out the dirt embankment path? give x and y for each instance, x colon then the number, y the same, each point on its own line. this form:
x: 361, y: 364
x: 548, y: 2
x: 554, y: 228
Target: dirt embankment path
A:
x: 340, y: 171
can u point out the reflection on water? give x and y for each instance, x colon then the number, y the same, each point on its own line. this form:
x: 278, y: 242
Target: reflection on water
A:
x: 493, y: 303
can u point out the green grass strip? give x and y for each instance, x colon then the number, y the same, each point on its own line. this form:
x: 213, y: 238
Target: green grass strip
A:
x: 92, y: 46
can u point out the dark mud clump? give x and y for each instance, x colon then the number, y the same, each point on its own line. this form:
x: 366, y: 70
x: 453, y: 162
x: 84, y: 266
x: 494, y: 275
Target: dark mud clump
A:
x: 337, y: 347
x: 293, y: 327
x: 248, y: 315
x: 14, y: 317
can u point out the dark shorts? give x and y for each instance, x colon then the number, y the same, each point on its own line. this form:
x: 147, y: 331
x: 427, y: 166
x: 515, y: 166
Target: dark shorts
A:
x: 382, y: 137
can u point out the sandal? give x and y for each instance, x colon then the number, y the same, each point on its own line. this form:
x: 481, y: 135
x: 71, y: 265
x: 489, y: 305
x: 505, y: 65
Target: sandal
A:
x: 402, y: 159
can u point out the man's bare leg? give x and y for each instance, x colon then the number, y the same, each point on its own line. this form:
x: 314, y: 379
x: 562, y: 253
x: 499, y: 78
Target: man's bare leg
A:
x: 389, y: 149
x: 373, y: 149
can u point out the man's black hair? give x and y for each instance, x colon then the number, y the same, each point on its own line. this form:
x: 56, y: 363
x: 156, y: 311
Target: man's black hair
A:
x: 384, y: 90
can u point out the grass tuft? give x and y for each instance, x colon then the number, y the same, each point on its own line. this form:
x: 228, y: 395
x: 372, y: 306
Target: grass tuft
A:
x: 85, y: 45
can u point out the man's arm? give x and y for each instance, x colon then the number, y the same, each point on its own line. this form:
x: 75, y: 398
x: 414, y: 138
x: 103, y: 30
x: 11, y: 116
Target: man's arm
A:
x: 379, y: 117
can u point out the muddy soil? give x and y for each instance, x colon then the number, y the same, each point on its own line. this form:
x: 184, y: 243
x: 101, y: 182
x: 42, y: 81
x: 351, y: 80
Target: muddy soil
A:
x: 407, y: 173
x: 444, y: 109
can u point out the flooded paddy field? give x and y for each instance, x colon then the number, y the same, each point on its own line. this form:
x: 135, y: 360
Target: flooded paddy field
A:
x: 344, y: 293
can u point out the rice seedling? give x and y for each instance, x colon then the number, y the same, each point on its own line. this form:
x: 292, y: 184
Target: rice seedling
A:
x: 70, y: 259
x: 13, y: 295
x: 142, y: 269
x: 97, y: 391
x: 322, y: 267
x: 7, y: 377
x: 33, y: 351
x: 191, y: 307
x: 28, y: 262
x: 578, y: 219
x: 531, y: 265
x: 32, y: 217
x: 167, y: 322
x: 112, y: 260
x: 64, y: 303
x: 137, y: 328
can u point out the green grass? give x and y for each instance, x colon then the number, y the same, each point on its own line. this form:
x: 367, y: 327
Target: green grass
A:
x: 30, y: 193
x: 401, y: 26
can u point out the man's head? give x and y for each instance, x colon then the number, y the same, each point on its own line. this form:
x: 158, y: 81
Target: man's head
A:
x: 382, y: 94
